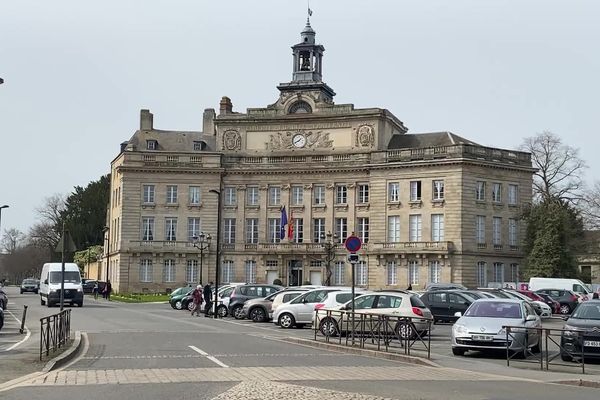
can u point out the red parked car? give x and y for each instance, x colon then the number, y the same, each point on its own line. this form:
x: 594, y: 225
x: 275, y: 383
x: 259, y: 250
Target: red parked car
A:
x: 553, y: 304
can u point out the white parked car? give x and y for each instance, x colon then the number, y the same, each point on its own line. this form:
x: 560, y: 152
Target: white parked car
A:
x: 393, y: 304
x: 482, y: 327
x: 223, y: 299
x: 299, y: 311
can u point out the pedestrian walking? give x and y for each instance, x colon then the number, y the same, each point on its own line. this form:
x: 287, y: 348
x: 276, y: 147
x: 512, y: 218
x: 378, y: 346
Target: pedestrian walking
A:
x: 197, y: 300
x: 95, y: 290
x: 107, y: 290
x: 207, y: 298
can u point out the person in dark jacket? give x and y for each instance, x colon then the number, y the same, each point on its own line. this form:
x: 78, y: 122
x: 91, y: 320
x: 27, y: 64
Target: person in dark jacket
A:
x: 207, y: 298
x: 197, y: 300
x: 107, y: 290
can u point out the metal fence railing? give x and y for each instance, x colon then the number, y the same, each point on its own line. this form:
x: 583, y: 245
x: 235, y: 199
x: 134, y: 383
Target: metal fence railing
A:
x: 55, y: 332
x: 554, y: 346
x: 369, y: 330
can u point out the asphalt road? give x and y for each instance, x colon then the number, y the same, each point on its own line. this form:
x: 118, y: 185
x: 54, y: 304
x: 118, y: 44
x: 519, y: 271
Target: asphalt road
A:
x: 152, y: 351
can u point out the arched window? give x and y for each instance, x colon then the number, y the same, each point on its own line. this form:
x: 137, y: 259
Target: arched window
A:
x: 300, y: 107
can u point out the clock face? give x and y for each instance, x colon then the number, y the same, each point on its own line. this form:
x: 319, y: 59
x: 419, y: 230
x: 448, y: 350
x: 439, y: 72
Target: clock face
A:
x: 299, y: 140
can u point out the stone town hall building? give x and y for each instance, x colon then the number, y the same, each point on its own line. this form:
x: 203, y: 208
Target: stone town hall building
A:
x: 429, y: 207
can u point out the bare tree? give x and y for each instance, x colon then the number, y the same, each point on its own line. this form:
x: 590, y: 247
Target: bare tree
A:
x: 12, y: 240
x: 52, y: 209
x: 591, y: 207
x: 559, y: 169
x: 46, y: 233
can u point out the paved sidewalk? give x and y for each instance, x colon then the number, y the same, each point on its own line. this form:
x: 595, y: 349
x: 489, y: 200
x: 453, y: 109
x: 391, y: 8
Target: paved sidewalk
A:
x: 181, y: 375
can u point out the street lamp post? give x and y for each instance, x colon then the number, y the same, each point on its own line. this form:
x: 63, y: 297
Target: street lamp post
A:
x: 329, y: 246
x: 217, y: 269
x: 2, y: 207
x: 199, y: 242
x: 106, y: 231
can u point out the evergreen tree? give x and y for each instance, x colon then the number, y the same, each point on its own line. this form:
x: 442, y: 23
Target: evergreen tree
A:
x: 554, y: 236
x: 85, y: 213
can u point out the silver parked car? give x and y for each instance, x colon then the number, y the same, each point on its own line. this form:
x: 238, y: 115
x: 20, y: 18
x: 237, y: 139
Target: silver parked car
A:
x: 481, y: 327
x: 261, y: 309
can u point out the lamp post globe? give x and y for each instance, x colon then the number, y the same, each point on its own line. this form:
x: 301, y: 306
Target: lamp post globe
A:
x: 201, y: 242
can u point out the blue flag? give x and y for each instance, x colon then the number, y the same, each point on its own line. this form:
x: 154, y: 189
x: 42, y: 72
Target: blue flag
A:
x: 283, y: 223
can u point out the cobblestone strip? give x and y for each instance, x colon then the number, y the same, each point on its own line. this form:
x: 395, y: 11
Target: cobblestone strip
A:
x: 255, y: 374
x: 261, y: 390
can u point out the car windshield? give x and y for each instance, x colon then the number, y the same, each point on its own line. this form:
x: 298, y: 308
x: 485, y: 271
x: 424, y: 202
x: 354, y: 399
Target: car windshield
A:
x: 587, y: 311
x: 70, y: 276
x: 494, y: 309
x: 30, y: 282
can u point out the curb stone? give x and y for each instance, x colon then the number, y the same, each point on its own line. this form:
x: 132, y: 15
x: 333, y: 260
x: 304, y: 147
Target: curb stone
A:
x: 65, y: 357
x: 579, y: 382
x: 363, y: 352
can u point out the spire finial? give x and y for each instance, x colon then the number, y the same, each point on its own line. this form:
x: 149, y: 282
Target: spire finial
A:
x: 309, y: 12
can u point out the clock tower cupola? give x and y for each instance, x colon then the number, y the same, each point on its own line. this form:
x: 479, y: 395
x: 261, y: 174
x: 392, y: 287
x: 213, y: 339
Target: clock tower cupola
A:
x: 308, y: 66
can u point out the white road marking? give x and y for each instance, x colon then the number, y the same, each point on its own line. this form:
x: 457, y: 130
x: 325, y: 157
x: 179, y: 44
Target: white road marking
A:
x: 24, y: 339
x: 211, y: 358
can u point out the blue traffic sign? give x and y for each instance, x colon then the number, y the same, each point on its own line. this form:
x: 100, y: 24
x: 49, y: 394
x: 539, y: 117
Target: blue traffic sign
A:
x: 353, y: 244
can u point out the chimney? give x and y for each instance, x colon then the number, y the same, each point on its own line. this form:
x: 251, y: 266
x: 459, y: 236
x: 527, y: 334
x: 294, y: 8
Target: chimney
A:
x: 146, y: 120
x: 208, y: 121
x: 225, y: 106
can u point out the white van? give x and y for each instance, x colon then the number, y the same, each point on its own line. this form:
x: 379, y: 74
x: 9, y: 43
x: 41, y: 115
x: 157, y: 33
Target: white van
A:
x: 50, y: 284
x: 574, y: 285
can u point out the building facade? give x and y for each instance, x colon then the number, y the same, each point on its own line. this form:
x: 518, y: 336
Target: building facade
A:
x: 299, y: 176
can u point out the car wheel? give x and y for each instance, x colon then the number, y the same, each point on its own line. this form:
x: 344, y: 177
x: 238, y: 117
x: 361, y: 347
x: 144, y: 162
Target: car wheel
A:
x: 222, y: 311
x: 190, y: 305
x: 565, y: 309
x: 36, y: 292
x: 257, y: 314
x: 566, y: 357
x: 405, y: 331
x: 457, y: 351
x: 236, y: 311
x: 178, y: 305
x: 286, y: 320
x: 329, y: 327
x: 21, y: 292
x: 80, y: 304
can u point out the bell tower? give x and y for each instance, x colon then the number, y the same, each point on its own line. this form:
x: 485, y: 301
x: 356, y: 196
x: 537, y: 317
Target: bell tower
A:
x: 308, y: 66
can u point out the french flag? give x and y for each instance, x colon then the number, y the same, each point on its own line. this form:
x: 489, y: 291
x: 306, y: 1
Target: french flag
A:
x: 283, y: 223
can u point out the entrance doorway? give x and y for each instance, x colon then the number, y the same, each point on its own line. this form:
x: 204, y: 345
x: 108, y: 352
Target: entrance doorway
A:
x: 316, y: 278
x: 271, y: 276
x: 295, y: 275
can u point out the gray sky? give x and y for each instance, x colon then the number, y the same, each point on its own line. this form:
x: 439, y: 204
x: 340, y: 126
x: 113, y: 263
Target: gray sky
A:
x: 78, y: 72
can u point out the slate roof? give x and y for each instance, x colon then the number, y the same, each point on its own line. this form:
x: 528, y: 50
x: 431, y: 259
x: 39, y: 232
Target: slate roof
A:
x: 421, y: 140
x: 172, y: 141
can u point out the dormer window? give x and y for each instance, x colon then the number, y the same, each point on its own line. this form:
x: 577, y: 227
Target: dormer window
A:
x: 151, y: 144
x: 300, y: 107
x: 199, y: 145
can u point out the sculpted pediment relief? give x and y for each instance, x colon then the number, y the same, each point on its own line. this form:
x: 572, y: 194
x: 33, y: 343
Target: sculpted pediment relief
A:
x: 299, y: 139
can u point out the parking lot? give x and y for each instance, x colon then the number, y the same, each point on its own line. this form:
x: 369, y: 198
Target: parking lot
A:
x: 441, y: 351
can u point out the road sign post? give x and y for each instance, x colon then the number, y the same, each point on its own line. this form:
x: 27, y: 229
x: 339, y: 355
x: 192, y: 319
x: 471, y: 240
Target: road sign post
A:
x: 353, y: 244
x: 65, y: 245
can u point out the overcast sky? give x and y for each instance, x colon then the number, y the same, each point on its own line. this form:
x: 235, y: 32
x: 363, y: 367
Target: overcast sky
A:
x: 78, y: 72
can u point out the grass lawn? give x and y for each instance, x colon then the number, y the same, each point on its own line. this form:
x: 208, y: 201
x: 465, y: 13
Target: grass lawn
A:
x: 139, y: 298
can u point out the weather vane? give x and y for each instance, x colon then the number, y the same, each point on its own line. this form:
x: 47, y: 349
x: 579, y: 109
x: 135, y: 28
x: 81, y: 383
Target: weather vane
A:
x: 309, y: 11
